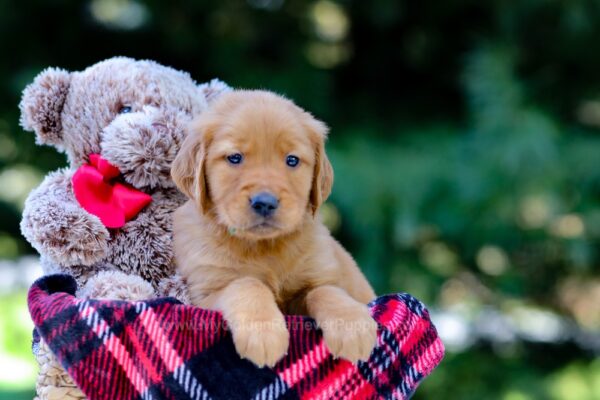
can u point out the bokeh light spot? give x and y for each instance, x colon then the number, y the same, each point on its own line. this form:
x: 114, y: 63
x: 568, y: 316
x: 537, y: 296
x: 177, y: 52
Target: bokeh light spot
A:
x: 588, y: 113
x: 439, y: 258
x: 330, y: 216
x: 8, y: 246
x: 330, y: 21
x: 537, y: 324
x: 119, y: 14
x: 16, y: 183
x: 455, y: 330
x: 534, y: 212
x: 8, y: 147
x: 492, y: 260
x: 516, y: 395
x: 568, y: 226
x: 581, y: 298
x: 575, y: 383
x: 327, y: 55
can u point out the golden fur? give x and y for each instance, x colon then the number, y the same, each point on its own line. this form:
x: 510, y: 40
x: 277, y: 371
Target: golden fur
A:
x: 252, y: 268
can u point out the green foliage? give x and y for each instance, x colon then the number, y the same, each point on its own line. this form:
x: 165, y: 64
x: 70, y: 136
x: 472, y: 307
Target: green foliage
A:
x: 17, y: 367
x: 464, y: 141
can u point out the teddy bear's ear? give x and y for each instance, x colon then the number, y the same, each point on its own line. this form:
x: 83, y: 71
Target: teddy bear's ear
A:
x: 213, y: 89
x: 42, y: 104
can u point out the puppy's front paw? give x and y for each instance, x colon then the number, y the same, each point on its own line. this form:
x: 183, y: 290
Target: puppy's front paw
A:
x: 264, y: 342
x: 351, y: 333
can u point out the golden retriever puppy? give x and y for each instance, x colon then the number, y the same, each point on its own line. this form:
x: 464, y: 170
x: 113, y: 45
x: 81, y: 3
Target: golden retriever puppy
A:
x: 249, y: 240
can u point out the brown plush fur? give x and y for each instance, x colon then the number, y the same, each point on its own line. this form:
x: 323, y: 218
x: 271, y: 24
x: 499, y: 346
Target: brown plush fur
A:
x: 79, y: 114
x: 253, y: 268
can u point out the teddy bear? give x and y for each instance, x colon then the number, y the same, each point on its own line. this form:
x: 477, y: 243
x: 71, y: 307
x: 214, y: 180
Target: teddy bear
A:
x: 106, y: 218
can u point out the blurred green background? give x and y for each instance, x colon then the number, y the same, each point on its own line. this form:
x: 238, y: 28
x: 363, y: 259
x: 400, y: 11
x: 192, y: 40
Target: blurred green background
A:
x: 465, y: 140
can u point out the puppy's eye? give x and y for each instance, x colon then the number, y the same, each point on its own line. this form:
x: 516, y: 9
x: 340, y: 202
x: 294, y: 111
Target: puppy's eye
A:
x: 125, y: 110
x: 235, y: 158
x: 292, y: 161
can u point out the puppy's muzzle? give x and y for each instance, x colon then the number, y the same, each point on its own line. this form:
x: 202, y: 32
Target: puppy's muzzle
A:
x: 264, y: 204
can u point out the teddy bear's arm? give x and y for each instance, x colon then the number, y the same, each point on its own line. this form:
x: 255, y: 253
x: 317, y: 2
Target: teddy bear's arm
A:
x: 58, y: 228
x: 174, y: 286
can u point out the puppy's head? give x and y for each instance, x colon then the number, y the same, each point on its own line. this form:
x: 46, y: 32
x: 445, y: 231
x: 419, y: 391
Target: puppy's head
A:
x: 256, y: 162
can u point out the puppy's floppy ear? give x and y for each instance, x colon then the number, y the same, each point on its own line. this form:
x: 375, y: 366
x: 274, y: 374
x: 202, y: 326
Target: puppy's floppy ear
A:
x: 42, y: 104
x: 188, y: 169
x: 323, y: 172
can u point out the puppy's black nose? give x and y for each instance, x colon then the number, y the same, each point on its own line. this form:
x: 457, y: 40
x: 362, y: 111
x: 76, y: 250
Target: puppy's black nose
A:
x: 264, y: 204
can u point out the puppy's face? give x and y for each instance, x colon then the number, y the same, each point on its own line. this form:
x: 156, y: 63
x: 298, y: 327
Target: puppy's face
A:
x: 256, y: 162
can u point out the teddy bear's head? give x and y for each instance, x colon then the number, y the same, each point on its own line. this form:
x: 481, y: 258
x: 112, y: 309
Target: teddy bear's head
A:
x: 130, y: 112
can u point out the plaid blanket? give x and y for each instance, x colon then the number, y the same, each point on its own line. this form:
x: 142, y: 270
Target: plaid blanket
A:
x: 162, y: 349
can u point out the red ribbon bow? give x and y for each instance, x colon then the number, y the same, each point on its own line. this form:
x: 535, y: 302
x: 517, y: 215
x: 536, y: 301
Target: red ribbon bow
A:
x: 96, y: 191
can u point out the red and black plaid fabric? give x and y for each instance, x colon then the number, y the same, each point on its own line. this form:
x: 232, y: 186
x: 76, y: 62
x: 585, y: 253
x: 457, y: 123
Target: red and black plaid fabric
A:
x: 162, y: 349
